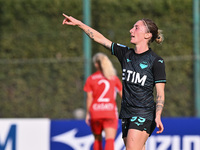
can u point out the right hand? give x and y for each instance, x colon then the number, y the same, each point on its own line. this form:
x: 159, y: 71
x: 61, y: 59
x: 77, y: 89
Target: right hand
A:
x: 70, y: 20
x: 87, y: 119
x: 159, y: 125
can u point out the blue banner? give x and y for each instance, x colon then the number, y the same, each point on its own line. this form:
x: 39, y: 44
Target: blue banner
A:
x: 76, y: 135
x: 179, y: 134
x: 46, y: 134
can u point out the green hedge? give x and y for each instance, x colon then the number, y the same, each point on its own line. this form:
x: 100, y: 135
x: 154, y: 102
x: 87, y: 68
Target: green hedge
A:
x: 41, y: 61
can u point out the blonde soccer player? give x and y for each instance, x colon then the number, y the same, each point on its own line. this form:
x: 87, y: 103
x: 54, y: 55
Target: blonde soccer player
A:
x: 101, y: 88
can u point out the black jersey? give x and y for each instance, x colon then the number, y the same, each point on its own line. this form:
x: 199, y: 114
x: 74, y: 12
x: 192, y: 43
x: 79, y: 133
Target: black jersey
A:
x: 140, y: 72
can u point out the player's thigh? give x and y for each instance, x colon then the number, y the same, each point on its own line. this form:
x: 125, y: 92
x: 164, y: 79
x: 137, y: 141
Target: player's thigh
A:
x: 125, y: 139
x: 110, y: 128
x: 110, y: 133
x: 136, y: 139
x: 97, y: 128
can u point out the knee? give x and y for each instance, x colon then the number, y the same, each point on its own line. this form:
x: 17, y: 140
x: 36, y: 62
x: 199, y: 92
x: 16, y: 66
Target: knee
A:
x: 132, y: 148
x: 135, y: 147
x: 98, y: 137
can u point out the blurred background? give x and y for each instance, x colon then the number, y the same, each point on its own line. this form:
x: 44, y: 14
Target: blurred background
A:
x: 42, y: 61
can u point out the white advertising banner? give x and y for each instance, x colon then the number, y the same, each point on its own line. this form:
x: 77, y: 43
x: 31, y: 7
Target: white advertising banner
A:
x: 24, y: 134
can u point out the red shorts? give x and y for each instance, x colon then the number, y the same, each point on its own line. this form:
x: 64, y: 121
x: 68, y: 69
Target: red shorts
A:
x: 97, y: 125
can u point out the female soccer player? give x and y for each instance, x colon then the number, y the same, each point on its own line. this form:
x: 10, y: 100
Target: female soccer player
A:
x: 142, y: 69
x: 101, y: 106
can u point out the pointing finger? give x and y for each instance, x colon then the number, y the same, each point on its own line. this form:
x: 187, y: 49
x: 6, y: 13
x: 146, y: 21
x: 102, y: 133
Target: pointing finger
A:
x: 65, y: 15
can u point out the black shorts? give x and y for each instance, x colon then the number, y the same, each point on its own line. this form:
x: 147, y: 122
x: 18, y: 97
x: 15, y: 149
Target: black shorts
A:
x: 137, y: 123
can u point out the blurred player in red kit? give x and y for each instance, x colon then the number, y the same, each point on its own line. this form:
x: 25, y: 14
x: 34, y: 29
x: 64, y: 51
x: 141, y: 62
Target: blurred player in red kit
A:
x: 101, y: 88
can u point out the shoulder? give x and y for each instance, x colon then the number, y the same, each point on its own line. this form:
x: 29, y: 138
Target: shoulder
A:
x: 153, y: 53
x: 96, y: 75
x: 157, y: 58
x: 158, y: 63
x: 115, y: 78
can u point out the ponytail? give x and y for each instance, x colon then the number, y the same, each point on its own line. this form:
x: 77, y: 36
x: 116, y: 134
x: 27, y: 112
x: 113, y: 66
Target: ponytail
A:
x: 157, y: 35
x: 105, y: 65
x: 160, y: 38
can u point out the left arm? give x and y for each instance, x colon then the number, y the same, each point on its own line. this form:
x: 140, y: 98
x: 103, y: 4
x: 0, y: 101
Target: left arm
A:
x: 120, y: 94
x: 88, y: 104
x: 92, y: 33
x: 160, y: 99
x: 119, y: 87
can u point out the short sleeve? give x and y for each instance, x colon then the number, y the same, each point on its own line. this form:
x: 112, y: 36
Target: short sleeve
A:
x: 88, y: 86
x: 119, y: 50
x: 118, y: 84
x: 159, y: 70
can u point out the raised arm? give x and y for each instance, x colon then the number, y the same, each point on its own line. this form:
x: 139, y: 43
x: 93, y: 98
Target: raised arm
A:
x: 160, y: 99
x: 93, y: 34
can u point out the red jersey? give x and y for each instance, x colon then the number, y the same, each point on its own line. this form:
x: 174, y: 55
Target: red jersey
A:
x: 104, y: 95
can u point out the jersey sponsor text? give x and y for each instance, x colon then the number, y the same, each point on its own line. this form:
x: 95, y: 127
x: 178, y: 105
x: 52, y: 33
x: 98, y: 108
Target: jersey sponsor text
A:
x: 133, y: 77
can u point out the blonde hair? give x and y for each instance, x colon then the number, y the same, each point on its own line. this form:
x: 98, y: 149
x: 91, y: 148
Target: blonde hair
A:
x: 105, y: 65
x: 160, y: 37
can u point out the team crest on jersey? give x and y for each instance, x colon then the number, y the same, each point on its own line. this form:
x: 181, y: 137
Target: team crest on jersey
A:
x: 161, y: 61
x: 143, y: 65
